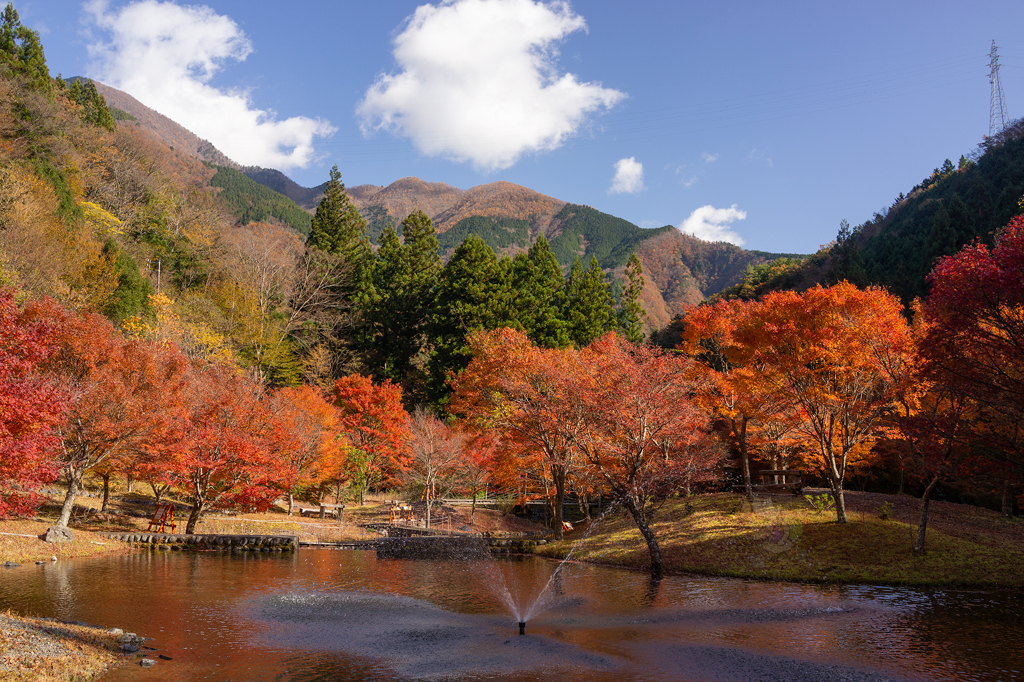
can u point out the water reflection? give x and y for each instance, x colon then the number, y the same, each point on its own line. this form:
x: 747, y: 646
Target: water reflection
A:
x: 323, y: 615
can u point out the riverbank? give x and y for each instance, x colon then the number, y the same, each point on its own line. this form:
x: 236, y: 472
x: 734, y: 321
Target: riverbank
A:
x: 782, y: 537
x: 44, y: 650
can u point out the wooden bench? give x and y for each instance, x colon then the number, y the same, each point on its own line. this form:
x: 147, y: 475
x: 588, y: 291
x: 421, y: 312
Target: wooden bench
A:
x: 324, y: 511
x: 792, y: 481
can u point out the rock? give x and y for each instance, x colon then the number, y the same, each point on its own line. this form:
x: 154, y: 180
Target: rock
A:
x: 40, y: 562
x: 116, y: 632
x: 166, y: 658
x: 10, y: 564
x: 147, y: 663
x: 59, y: 534
x: 129, y: 648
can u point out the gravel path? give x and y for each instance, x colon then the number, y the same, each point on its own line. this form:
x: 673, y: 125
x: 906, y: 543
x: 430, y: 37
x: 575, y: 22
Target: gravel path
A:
x: 45, y: 649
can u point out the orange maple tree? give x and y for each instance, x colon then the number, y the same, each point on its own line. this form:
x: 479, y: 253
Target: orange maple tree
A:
x: 118, y: 391
x: 643, y: 433
x: 306, y: 435
x: 377, y: 429
x: 218, y: 451
x: 840, y: 355
x: 518, y: 391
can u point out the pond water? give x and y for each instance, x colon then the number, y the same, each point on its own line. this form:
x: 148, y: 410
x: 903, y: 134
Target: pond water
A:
x: 345, y: 615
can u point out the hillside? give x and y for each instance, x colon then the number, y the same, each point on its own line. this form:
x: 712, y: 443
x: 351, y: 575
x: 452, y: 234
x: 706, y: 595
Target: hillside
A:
x: 897, y: 248
x: 251, y: 201
x: 174, y: 135
x: 681, y: 270
x: 306, y: 197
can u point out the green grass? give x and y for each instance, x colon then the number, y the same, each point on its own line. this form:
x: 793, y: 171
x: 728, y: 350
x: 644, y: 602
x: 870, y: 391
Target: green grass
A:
x: 783, y: 538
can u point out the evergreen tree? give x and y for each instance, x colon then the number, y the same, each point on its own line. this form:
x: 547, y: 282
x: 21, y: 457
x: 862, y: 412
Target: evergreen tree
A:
x: 587, y: 303
x: 472, y: 294
x: 961, y: 220
x: 942, y: 240
x: 404, y: 276
x: 537, y: 282
x: 21, y: 52
x: 847, y: 263
x: 631, y: 315
x: 338, y: 228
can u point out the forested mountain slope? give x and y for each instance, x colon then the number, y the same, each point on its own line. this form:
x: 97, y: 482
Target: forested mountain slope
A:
x: 898, y: 247
x: 682, y: 270
x: 174, y: 135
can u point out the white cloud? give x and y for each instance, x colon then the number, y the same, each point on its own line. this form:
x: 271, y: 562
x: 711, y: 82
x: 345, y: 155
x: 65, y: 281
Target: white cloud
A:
x: 478, y: 82
x: 629, y: 177
x: 712, y: 224
x: 759, y: 156
x: 709, y: 158
x: 689, y: 182
x: 165, y: 54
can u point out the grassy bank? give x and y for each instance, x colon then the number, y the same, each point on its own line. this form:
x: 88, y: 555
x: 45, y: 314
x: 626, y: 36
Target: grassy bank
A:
x: 47, y: 651
x: 783, y: 538
x: 21, y: 542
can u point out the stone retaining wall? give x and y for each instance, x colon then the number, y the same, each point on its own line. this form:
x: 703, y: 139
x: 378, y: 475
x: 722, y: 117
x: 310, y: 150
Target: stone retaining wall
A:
x: 249, y: 543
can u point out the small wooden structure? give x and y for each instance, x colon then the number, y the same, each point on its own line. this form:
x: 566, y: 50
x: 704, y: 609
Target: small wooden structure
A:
x: 162, y: 517
x: 792, y: 481
x: 323, y: 511
x: 400, y: 513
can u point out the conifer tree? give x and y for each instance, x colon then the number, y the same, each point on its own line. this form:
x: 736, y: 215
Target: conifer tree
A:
x: 338, y: 228
x: 404, y: 277
x: 20, y: 50
x: 537, y: 281
x: 472, y: 294
x: 631, y: 315
x: 587, y: 303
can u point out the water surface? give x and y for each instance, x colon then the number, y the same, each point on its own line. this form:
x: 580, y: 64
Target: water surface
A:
x: 345, y: 615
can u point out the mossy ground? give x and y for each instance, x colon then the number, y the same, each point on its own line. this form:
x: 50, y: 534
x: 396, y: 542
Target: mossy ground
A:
x: 782, y: 537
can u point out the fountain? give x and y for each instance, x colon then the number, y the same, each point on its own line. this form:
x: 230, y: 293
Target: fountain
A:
x: 543, y: 599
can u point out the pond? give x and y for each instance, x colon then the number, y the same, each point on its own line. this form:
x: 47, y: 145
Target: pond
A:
x: 347, y: 615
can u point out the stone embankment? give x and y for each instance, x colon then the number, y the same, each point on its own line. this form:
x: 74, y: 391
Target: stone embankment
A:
x: 245, y: 543
x: 452, y: 547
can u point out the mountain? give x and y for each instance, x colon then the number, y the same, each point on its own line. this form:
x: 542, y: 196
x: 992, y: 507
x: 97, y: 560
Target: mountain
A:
x: 306, y: 197
x: 680, y: 270
x: 163, y: 128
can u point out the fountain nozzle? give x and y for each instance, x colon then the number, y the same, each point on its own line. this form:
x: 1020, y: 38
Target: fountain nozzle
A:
x: 522, y: 627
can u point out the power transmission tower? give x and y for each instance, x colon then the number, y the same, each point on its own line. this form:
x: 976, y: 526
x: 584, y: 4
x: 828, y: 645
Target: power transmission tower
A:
x: 997, y: 109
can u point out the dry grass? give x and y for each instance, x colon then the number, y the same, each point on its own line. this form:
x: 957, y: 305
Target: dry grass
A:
x: 43, y: 651
x: 14, y: 546
x: 783, y: 538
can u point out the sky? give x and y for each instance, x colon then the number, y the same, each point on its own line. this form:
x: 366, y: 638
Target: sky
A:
x: 762, y: 124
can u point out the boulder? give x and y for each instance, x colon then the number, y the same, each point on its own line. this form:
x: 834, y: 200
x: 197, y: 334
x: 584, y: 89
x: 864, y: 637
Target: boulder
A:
x: 147, y: 663
x: 59, y: 534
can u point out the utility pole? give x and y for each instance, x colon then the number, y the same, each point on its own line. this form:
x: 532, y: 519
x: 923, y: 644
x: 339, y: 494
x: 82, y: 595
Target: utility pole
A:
x: 997, y: 108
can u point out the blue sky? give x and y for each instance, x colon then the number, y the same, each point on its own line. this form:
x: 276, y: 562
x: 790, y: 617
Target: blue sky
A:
x: 762, y: 123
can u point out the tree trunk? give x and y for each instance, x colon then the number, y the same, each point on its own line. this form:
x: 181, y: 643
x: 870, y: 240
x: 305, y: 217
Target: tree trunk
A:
x: 193, y: 518
x: 131, y: 484
x: 640, y: 519
x: 158, y: 491
x: 74, y: 481
x: 472, y: 512
x: 741, y: 437
x: 106, y: 492
x: 291, y: 502
x: 558, y: 477
x: 922, y: 527
x: 835, y: 482
x: 1007, y: 499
